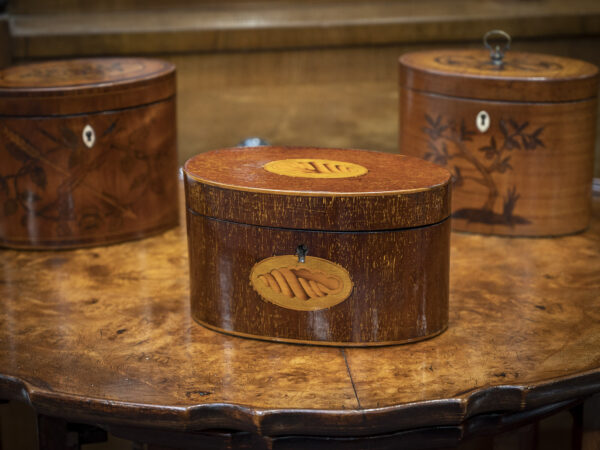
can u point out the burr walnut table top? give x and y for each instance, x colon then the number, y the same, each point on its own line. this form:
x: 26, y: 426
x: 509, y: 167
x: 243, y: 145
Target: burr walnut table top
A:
x: 105, y: 335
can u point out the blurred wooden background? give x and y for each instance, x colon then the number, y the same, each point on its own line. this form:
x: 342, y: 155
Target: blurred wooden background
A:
x: 318, y: 72
x: 293, y: 72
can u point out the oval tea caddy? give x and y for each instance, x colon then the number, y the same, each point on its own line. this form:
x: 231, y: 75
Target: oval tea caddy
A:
x: 516, y: 130
x: 318, y: 246
x: 88, y: 151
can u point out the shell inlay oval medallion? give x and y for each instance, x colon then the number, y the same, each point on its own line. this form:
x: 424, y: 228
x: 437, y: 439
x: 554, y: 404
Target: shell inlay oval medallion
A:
x: 315, y: 284
x: 315, y: 168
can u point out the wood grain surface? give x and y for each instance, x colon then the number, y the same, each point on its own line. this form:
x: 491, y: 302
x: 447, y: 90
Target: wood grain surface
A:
x: 386, y: 230
x: 399, y: 283
x: 84, y: 85
x: 525, y: 77
x: 55, y: 192
x: 89, y: 153
x: 528, y: 171
x: 105, y: 335
x: 395, y: 192
x: 246, y: 169
x: 48, y: 29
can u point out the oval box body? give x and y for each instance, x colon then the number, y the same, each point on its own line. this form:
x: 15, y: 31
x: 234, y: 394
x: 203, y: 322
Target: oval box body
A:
x: 88, y: 152
x: 518, y: 136
x: 325, y: 246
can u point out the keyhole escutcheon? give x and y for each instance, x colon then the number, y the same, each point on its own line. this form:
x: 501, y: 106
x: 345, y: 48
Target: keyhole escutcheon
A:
x: 482, y: 121
x: 301, y: 251
x: 89, y: 136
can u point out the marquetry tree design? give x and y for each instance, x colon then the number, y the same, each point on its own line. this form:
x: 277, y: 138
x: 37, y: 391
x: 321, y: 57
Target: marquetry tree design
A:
x: 27, y: 190
x: 448, y: 142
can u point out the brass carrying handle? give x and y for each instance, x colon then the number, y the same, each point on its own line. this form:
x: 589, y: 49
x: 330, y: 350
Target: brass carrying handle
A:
x: 497, y: 53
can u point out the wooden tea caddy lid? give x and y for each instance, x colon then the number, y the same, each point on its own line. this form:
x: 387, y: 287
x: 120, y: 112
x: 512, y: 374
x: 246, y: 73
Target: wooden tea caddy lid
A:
x: 514, y: 76
x: 317, y: 188
x: 84, y: 85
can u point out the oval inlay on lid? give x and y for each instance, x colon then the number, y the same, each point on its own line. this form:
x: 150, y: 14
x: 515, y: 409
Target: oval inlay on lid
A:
x: 315, y: 168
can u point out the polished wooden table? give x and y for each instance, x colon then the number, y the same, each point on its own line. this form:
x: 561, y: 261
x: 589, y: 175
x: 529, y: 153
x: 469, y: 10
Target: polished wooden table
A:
x: 104, y: 336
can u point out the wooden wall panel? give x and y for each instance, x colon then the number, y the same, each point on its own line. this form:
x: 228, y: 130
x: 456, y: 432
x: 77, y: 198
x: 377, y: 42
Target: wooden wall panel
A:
x: 52, y: 6
x: 234, y: 26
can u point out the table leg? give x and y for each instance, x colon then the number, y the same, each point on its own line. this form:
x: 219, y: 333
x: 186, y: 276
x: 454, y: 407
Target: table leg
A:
x: 58, y: 434
x: 528, y: 436
x: 577, y: 430
x: 53, y: 434
x: 1, y: 402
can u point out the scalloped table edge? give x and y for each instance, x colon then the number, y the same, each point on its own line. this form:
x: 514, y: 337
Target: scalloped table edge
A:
x: 280, y: 422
